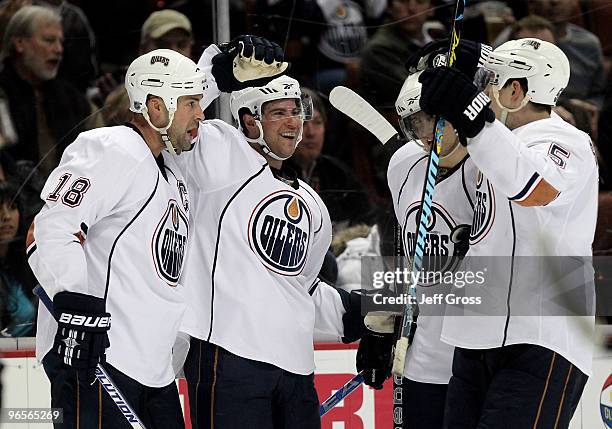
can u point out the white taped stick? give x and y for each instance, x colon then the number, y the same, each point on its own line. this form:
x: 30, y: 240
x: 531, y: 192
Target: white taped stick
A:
x: 399, y: 359
x: 355, y: 107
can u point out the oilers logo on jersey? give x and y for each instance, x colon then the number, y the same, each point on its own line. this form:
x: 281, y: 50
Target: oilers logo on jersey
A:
x: 169, y: 243
x: 484, y: 209
x: 279, y: 232
x: 440, y: 253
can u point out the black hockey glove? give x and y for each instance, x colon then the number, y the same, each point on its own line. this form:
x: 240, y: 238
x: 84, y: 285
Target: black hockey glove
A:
x: 352, y: 320
x: 460, y: 236
x: 451, y: 94
x: 247, y: 61
x: 81, y: 337
x: 375, y: 352
x: 469, y: 56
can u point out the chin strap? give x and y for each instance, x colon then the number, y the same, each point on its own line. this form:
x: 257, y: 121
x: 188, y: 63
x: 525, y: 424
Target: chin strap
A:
x: 162, y: 131
x: 266, y: 149
x: 505, y: 110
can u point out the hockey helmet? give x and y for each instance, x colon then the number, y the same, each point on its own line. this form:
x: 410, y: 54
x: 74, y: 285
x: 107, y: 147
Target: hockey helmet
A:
x: 166, y: 74
x: 254, y: 98
x: 407, y: 105
x: 543, y: 64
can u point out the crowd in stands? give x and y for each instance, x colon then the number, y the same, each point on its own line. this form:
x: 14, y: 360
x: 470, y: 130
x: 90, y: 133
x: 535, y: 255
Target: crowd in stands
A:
x: 63, y: 64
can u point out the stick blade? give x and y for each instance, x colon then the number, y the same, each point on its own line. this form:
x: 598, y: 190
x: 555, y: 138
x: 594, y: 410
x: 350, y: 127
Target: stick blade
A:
x: 355, y: 107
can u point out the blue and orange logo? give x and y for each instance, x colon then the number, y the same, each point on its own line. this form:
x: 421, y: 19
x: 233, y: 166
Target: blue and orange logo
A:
x: 279, y: 232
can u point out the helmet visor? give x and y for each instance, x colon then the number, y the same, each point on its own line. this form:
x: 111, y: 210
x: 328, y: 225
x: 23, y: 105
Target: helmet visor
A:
x: 281, y: 111
x: 417, y: 125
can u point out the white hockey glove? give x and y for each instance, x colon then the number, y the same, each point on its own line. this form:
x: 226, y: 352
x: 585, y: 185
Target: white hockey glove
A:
x: 247, y: 61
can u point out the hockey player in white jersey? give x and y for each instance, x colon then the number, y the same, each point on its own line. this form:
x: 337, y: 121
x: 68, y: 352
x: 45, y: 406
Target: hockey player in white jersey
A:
x: 428, y: 362
x: 524, y: 364
x: 110, y: 243
x: 259, y: 237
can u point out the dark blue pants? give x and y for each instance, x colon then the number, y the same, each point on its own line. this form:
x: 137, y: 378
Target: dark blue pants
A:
x: 422, y: 405
x: 521, y: 386
x: 89, y: 406
x: 230, y: 392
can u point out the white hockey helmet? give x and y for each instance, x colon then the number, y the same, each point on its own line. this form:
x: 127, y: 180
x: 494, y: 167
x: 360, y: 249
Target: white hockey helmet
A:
x: 543, y: 64
x: 407, y: 104
x: 166, y: 74
x: 253, y: 99
x: 407, y: 101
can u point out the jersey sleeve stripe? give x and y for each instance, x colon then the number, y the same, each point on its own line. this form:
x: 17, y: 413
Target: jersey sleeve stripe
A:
x: 314, y: 286
x: 30, y: 250
x: 533, y: 181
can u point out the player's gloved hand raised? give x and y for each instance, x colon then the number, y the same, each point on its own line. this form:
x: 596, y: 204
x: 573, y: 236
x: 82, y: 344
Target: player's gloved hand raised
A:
x: 449, y: 93
x: 81, y: 338
x: 247, y: 61
x: 375, y: 353
x: 469, y: 56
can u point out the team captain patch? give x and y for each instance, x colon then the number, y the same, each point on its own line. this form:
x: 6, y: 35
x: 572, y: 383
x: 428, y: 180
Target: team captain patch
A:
x: 169, y: 243
x: 279, y: 232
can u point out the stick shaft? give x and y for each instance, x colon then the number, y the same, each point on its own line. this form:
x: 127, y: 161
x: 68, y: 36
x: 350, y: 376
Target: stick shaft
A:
x: 100, y: 373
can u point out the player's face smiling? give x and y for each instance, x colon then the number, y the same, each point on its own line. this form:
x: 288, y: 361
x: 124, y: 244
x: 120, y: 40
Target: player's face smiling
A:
x: 281, y: 125
x: 185, y: 123
x: 424, y: 126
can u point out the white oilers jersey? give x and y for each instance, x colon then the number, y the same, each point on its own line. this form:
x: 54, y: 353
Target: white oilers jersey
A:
x: 133, y: 222
x: 539, y: 287
x: 257, y: 247
x: 429, y: 359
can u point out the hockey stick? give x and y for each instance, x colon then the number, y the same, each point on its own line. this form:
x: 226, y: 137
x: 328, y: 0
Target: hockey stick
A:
x: 401, y: 346
x: 355, y: 107
x: 100, y: 373
x: 340, y: 394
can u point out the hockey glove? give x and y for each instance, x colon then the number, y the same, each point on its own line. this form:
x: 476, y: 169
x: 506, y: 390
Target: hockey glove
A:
x: 247, y: 61
x: 449, y: 93
x: 352, y: 320
x: 375, y: 353
x: 469, y: 56
x: 460, y: 236
x: 82, y: 326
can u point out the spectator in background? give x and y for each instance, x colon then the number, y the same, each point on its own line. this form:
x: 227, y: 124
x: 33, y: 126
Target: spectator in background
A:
x: 163, y: 29
x: 47, y: 112
x: 330, y: 33
x: 533, y: 26
x: 166, y: 29
x: 17, y: 313
x: 342, y: 39
x: 336, y: 184
x: 575, y: 110
x: 80, y: 63
x: 381, y: 75
x: 30, y: 183
x: 382, y: 71
x: 582, y: 48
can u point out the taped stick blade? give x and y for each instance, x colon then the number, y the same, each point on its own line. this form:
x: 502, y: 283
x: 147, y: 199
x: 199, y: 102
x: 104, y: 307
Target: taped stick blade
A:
x: 355, y: 107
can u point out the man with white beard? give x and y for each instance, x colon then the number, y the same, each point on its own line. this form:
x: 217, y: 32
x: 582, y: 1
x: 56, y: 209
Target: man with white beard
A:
x: 47, y: 113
